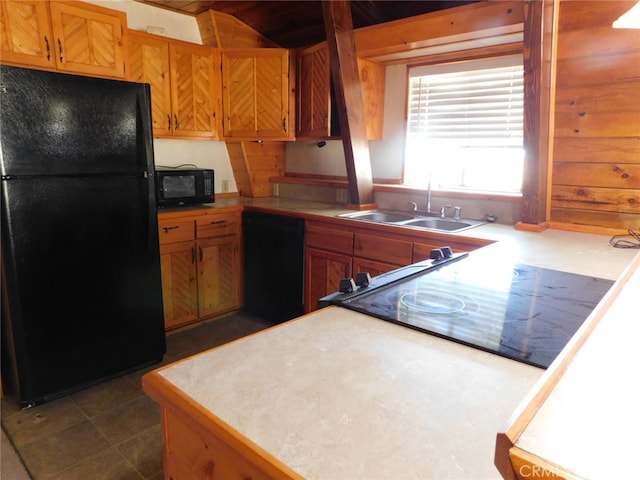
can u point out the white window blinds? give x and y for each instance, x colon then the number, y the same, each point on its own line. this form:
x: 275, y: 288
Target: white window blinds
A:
x: 465, y: 125
x: 478, y: 106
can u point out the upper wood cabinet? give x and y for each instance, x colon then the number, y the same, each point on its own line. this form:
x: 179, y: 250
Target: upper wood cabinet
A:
x: 70, y: 37
x: 184, y: 84
x: 316, y: 109
x: 25, y: 34
x: 149, y: 63
x: 89, y: 39
x: 193, y: 90
x: 313, y: 100
x: 255, y: 93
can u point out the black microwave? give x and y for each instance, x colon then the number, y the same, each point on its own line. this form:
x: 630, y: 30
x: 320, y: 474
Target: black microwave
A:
x: 181, y: 186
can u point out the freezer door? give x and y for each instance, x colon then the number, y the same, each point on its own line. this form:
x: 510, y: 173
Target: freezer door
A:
x: 59, y: 124
x: 83, y: 280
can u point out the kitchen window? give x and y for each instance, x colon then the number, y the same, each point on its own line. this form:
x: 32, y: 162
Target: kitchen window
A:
x: 465, y: 123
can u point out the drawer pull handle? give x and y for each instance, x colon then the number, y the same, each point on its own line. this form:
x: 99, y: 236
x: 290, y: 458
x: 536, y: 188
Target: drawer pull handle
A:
x: 46, y: 41
x: 218, y: 222
x: 167, y: 229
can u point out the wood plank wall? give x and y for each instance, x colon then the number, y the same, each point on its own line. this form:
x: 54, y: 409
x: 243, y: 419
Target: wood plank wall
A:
x: 596, y: 153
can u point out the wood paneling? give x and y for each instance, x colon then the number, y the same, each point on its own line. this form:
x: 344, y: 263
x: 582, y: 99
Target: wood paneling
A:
x: 593, y: 150
x: 595, y: 198
x: 596, y: 157
x: 614, y: 98
x: 219, y: 29
x: 626, y: 176
x: 254, y: 164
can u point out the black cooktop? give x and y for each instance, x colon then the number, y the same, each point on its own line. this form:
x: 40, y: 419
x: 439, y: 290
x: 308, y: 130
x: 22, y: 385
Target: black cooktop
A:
x: 518, y: 311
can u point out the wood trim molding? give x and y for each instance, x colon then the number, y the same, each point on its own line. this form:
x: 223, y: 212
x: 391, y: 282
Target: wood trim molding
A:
x: 540, y: 26
x: 532, y: 227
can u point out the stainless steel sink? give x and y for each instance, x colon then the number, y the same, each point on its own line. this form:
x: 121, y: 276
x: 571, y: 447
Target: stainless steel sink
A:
x: 378, y: 217
x: 408, y: 220
x: 448, y: 225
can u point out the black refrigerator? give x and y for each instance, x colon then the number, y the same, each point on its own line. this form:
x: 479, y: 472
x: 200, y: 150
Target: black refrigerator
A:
x: 81, y: 285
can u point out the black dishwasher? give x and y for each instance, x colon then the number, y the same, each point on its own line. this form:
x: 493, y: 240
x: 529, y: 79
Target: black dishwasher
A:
x: 273, y: 266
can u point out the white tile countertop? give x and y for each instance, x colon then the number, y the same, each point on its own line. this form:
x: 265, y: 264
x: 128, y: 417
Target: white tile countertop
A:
x: 340, y: 395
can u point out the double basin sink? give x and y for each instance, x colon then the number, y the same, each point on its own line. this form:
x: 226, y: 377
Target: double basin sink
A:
x: 408, y: 220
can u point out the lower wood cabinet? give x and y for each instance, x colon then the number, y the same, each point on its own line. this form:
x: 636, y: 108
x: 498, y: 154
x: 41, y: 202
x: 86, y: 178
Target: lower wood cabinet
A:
x: 179, y: 285
x: 201, y: 266
x: 323, y: 272
x: 334, y: 251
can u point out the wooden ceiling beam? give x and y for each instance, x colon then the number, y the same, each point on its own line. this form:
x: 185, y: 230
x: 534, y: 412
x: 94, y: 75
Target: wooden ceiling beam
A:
x: 346, y: 81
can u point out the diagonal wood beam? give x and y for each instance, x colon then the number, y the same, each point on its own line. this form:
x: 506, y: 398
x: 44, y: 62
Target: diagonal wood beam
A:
x: 346, y: 80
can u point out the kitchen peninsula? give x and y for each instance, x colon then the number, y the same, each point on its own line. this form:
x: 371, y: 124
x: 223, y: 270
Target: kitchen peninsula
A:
x: 338, y: 394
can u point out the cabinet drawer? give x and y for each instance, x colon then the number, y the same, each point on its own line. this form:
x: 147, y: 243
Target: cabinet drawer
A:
x: 383, y: 249
x: 329, y: 239
x: 176, y: 230
x: 216, y: 225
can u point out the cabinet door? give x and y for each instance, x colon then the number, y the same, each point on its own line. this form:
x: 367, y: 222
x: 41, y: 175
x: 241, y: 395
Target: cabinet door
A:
x: 179, y: 285
x: 316, y: 109
x: 149, y: 63
x: 323, y: 272
x: 314, y: 96
x: 88, y: 39
x: 218, y: 274
x: 255, y: 93
x: 25, y: 34
x: 193, y: 91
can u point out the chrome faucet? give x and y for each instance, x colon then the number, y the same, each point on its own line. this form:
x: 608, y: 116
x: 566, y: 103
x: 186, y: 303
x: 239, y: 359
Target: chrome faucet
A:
x: 443, y: 210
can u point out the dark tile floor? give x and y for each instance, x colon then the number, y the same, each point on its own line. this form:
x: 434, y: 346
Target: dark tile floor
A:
x: 112, y: 430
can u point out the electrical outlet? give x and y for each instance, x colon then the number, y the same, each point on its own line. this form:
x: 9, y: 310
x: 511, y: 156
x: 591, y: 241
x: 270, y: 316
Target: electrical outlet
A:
x: 225, y: 185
